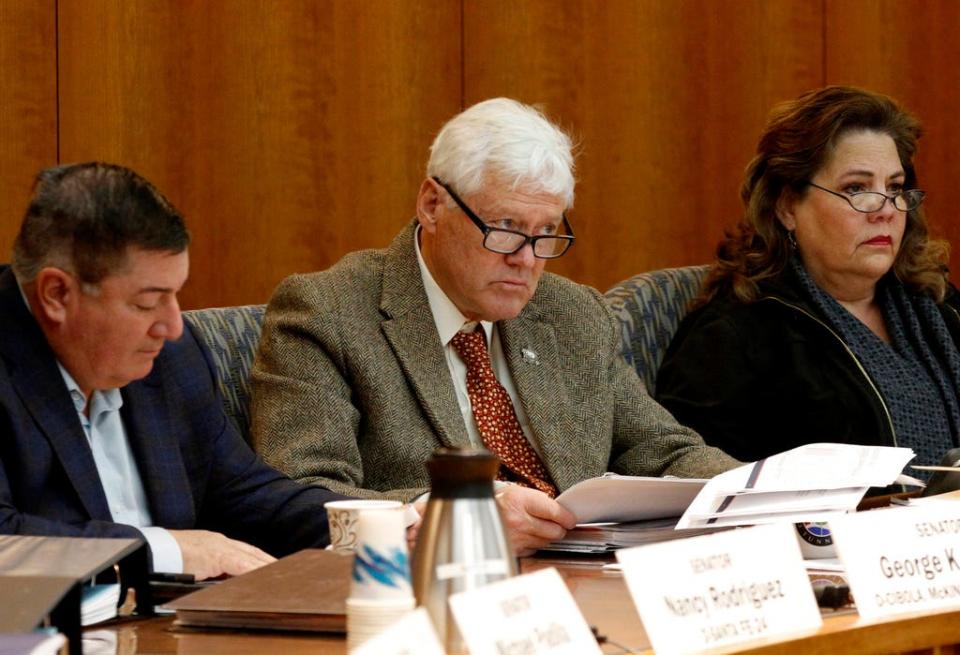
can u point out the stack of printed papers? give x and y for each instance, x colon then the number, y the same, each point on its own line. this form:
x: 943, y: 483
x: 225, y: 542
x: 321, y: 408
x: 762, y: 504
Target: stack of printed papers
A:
x: 99, y: 603
x: 809, y: 483
x: 608, y: 537
x: 616, y: 511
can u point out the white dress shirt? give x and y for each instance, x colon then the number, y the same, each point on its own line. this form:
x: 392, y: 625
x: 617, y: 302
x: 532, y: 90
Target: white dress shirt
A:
x: 449, y: 320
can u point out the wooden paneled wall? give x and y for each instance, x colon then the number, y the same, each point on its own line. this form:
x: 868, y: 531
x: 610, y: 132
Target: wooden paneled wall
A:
x: 908, y: 50
x: 28, y: 106
x: 291, y: 133
x: 666, y: 100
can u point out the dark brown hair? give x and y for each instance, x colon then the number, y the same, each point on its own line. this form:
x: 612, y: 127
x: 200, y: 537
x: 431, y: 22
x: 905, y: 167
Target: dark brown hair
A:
x: 798, y: 140
x: 84, y: 217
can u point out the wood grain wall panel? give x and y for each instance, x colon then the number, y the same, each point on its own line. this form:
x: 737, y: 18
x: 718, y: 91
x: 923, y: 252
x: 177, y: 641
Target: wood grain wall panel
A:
x: 28, y: 106
x: 908, y: 49
x: 666, y: 99
x: 289, y: 133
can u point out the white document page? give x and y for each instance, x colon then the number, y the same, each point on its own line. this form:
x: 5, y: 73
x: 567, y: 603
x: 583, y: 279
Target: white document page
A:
x: 622, y: 498
x: 827, y: 466
x: 804, y: 484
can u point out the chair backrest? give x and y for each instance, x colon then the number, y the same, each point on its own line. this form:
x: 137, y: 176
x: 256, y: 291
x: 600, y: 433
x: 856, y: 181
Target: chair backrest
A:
x: 650, y: 307
x: 232, y: 335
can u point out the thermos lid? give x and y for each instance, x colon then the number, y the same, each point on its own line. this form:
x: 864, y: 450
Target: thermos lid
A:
x: 462, y: 472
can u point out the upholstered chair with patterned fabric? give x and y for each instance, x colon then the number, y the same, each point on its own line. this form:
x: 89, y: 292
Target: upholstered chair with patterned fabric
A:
x: 650, y: 307
x: 232, y: 335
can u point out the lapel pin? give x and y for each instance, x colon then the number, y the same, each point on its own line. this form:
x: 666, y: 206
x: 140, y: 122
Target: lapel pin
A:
x: 530, y: 356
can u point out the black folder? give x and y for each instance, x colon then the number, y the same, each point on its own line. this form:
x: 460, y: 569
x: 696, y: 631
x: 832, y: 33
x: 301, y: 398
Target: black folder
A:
x: 40, y: 579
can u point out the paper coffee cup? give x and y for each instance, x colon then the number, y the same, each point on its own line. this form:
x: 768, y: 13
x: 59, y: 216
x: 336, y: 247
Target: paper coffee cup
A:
x: 342, y: 516
x: 381, y: 563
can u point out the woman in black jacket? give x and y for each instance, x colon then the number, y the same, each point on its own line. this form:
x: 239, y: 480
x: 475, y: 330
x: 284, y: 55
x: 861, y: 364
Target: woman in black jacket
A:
x: 827, y: 316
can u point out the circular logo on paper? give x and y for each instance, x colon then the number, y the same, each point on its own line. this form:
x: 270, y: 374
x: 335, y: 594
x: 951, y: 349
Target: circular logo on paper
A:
x: 815, y: 534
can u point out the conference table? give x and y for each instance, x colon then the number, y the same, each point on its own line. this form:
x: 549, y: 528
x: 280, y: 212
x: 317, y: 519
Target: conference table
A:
x: 605, y: 602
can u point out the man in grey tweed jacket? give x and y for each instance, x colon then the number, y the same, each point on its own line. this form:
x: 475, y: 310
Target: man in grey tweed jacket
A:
x: 356, y: 382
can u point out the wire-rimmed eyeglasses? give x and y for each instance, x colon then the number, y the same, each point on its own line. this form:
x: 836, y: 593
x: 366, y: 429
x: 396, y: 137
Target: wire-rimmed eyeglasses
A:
x: 507, y: 242
x: 868, y: 202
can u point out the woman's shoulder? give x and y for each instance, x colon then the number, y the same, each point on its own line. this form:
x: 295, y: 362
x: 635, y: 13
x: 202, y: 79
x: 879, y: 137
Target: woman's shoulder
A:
x: 722, y: 319
x: 777, y: 314
x: 727, y: 308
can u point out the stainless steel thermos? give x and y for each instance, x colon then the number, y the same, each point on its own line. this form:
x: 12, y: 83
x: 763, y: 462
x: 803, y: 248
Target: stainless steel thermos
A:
x: 462, y: 543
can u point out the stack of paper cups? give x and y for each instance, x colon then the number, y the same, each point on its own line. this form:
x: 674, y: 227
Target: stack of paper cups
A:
x: 380, y: 590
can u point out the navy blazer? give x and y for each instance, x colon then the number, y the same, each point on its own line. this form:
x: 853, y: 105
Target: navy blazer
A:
x: 197, y: 471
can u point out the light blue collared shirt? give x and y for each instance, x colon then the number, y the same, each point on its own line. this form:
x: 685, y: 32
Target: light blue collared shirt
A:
x: 119, y: 475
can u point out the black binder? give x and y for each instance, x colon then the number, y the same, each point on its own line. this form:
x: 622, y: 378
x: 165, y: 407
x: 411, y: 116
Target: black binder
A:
x: 41, y: 578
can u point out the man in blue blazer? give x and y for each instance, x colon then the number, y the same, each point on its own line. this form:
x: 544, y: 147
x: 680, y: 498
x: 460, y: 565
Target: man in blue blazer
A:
x: 110, y: 422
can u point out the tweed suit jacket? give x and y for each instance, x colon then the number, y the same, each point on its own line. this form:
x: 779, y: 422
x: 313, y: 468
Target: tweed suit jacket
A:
x: 351, y: 387
x: 197, y: 471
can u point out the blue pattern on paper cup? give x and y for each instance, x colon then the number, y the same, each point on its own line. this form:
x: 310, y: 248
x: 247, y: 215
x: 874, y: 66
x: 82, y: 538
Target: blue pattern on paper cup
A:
x: 390, y: 569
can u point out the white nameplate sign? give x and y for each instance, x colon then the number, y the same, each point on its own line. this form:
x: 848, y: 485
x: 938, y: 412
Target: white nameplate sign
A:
x: 411, y: 635
x: 533, y: 614
x: 901, y: 560
x: 704, y: 592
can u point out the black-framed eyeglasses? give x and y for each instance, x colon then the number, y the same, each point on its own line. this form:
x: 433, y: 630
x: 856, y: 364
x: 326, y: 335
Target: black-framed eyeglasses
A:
x: 868, y: 202
x: 507, y: 242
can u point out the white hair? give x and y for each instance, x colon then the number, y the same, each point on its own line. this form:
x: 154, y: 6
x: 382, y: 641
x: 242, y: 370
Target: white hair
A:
x: 505, y: 140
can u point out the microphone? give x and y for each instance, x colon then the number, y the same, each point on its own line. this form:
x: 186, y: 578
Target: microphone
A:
x: 946, y: 476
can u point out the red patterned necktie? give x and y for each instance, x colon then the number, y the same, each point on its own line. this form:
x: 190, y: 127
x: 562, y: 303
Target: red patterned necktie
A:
x: 496, y: 419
